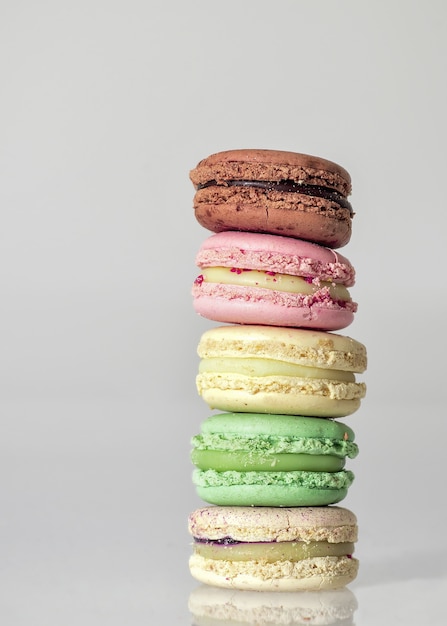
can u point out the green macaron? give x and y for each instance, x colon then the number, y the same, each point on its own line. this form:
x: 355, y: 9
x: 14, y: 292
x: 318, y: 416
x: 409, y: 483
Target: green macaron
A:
x: 272, y: 460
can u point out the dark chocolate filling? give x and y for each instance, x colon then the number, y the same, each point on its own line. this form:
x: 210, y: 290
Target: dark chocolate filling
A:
x: 287, y: 186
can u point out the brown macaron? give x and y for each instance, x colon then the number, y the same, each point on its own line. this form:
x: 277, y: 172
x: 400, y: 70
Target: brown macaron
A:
x: 276, y: 192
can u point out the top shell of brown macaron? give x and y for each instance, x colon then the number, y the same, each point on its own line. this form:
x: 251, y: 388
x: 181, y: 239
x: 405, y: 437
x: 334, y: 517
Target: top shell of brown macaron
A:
x: 271, y: 165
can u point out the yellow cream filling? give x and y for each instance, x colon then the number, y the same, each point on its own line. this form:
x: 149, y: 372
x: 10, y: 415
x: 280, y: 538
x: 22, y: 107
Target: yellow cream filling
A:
x: 270, y: 367
x: 271, y: 552
x: 271, y: 280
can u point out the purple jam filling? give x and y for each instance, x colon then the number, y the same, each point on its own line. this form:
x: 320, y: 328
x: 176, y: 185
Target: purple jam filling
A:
x: 224, y: 541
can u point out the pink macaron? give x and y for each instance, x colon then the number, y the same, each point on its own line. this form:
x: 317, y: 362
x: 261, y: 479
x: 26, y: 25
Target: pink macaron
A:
x: 251, y: 278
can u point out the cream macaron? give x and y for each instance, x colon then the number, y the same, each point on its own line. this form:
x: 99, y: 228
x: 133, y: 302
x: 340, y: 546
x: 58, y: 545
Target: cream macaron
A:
x: 266, y: 369
x: 273, y: 548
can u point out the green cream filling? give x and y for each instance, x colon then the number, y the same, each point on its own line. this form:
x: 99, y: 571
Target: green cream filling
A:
x: 250, y: 461
x: 270, y: 367
x: 271, y: 552
x: 271, y: 280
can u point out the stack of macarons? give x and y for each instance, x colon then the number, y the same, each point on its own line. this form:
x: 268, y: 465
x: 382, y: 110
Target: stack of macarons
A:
x: 271, y: 463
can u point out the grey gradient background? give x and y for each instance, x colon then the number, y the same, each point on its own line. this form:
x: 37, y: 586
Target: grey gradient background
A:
x: 105, y: 106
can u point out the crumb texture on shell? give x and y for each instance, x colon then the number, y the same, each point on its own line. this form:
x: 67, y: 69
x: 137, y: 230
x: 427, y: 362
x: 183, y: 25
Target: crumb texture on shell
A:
x: 294, y: 345
x: 271, y: 165
x: 243, y: 523
x: 308, y: 574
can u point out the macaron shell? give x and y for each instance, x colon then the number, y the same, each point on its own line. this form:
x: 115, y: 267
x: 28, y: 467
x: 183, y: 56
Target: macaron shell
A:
x: 276, y: 425
x: 274, y: 165
x: 318, y: 222
x: 285, y: 495
x: 292, y: 345
x: 245, y: 305
x: 335, y: 524
x: 281, y: 395
x: 276, y: 254
x: 313, y: 574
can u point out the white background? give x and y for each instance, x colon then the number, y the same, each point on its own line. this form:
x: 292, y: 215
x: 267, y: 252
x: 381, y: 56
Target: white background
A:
x: 105, y: 106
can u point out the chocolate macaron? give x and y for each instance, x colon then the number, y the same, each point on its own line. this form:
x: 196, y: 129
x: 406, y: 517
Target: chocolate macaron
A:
x: 276, y: 192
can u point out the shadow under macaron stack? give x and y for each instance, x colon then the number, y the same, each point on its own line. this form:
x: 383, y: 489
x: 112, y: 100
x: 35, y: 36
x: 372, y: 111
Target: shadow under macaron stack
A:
x: 271, y: 464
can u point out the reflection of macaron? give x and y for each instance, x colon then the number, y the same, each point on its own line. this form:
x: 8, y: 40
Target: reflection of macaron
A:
x: 277, y: 192
x: 267, y: 369
x: 252, y: 278
x: 273, y: 549
x: 214, y: 606
x: 272, y: 460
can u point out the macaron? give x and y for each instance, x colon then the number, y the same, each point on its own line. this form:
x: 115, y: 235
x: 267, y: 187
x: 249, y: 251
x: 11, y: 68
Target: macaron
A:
x: 292, y: 371
x: 215, y: 606
x: 273, y: 549
x: 251, y: 278
x: 276, y: 192
x: 250, y: 459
